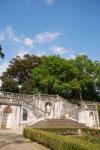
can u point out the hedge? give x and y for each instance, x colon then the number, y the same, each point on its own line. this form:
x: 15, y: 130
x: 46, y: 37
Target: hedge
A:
x: 61, y: 131
x: 58, y: 142
x: 91, y: 139
x: 90, y: 132
x: 73, y: 131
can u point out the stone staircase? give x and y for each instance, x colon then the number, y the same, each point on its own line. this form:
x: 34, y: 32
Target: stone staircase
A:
x: 74, y: 112
x: 61, y: 123
x: 27, y: 101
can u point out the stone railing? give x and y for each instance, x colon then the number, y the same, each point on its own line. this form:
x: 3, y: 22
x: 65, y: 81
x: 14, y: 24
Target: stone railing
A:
x: 81, y: 108
x: 26, y: 96
x: 47, y: 96
x: 16, y: 95
x: 61, y: 98
x: 21, y: 99
x: 75, y: 111
x: 91, y: 106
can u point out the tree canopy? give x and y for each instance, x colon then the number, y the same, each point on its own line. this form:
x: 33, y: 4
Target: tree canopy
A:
x: 77, y: 78
x: 20, y: 72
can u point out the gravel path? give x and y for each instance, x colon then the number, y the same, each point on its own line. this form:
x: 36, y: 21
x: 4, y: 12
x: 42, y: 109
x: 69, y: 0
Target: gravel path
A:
x: 13, y: 140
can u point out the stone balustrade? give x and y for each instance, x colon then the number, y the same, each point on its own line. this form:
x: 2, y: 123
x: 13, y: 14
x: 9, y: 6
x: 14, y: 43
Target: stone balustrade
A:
x: 21, y: 99
x: 75, y: 111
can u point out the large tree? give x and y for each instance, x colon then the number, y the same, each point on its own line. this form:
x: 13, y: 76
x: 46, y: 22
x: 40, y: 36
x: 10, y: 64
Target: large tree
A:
x: 19, y: 71
x: 85, y: 77
x: 77, y: 78
x: 53, y: 76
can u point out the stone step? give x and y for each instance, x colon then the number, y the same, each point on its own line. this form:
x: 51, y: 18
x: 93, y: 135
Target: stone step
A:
x: 58, y: 123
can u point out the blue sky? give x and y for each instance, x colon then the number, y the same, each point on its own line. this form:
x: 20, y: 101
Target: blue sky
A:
x: 43, y: 27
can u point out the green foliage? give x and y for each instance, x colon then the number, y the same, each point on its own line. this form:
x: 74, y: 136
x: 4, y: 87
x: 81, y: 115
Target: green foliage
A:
x: 36, y: 90
x: 20, y: 71
x: 58, y: 142
x: 10, y: 85
x: 77, y: 78
x: 91, y: 132
x: 1, y: 53
x: 91, y: 139
x: 74, y: 131
x: 61, y: 131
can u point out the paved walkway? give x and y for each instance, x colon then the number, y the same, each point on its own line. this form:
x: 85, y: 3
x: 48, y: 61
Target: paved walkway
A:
x: 13, y: 140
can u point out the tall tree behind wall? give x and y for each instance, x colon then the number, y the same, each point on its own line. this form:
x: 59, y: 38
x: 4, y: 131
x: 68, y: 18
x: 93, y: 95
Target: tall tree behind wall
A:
x: 18, y: 74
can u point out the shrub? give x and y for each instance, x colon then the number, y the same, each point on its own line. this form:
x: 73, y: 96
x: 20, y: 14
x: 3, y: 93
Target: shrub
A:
x: 58, y: 142
x: 61, y: 131
x: 90, y: 132
x: 73, y: 131
x: 91, y: 139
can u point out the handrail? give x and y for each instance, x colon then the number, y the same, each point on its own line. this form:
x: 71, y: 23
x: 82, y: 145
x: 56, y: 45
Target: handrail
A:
x: 18, y: 95
x: 80, y: 108
x: 11, y: 100
x: 75, y: 111
x: 66, y: 100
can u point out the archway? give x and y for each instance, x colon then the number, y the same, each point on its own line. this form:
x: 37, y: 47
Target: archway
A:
x: 7, y: 118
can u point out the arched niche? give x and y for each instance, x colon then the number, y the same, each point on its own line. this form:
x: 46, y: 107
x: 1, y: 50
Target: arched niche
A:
x: 7, y: 117
x: 48, y: 108
x: 91, y: 113
x: 91, y: 118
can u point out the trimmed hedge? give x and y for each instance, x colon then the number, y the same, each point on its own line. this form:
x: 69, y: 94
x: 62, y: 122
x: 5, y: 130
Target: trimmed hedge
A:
x: 61, y: 131
x: 58, y: 142
x: 73, y: 131
x: 91, y: 139
x: 90, y: 132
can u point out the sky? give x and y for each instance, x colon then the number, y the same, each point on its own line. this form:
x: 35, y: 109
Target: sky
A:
x: 49, y: 27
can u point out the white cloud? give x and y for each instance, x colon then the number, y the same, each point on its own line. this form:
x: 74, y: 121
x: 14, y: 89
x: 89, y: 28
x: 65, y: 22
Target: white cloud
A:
x: 49, y: 1
x: 28, y: 41
x: 22, y: 52
x: 21, y: 44
x: 60, y: 50
x: 72, y: 56
x: 40, y: 53
x: 10, y: 33
x: 82, y: 53
x: 46, y: 37
x: 3, y: 67
x: 2, y: 36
